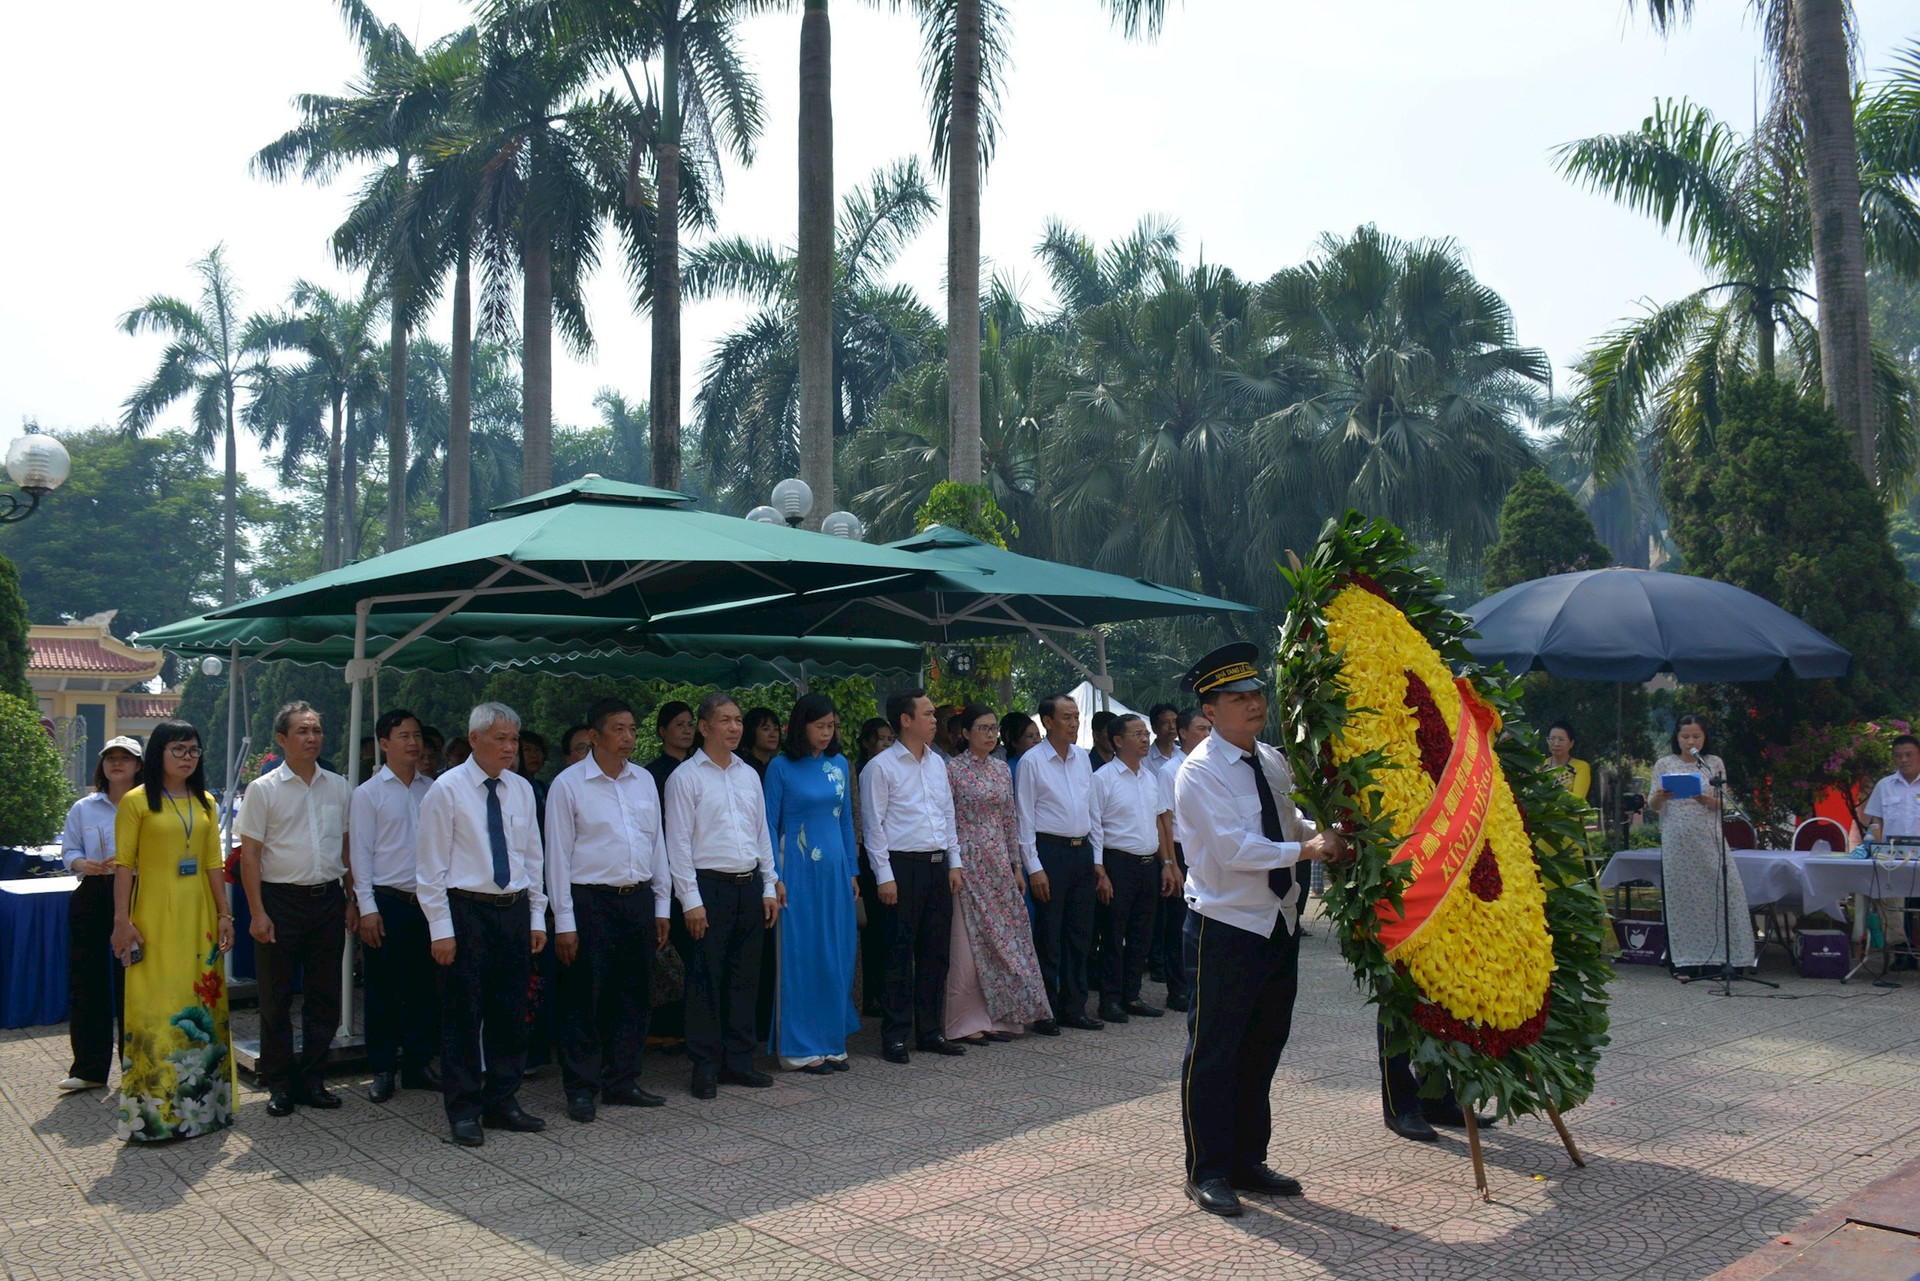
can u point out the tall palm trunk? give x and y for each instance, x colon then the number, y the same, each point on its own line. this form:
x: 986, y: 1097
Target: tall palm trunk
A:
x: 350, y: 493
x: 330, y: 505
x: 815, y: 266
x: 536, y: 415
x: 1764, y: 340
x: 963, y: 251
x: 230, y: 505
x: 664, y: 394
x: 397, y: 429
x: 1833, y: 188
x: 460, y: 398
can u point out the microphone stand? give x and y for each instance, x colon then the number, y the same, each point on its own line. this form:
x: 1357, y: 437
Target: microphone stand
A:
x: 1727, y: 976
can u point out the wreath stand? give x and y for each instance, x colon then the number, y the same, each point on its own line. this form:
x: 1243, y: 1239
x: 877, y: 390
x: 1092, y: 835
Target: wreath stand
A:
x: 1479, y: 1163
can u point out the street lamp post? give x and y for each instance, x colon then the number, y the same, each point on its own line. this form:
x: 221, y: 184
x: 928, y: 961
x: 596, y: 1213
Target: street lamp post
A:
x: 793, y: 500
x: 39, y: 465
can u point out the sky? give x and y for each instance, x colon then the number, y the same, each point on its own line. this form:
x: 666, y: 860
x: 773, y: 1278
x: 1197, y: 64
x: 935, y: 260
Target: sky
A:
x: 1257, y: 125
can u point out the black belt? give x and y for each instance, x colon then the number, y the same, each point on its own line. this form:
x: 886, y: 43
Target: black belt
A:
x: 620, y: 890
x: 929, y: 856
x: 1071, y: 842
x: 731, y: 878
x: 489, y: 900
x: 1144, y: 858
x: 311, y: 891
x: 395, y: 889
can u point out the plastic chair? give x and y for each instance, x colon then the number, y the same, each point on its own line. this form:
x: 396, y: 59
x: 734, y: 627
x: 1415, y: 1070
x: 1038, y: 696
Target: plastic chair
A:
x: 1739, y: 832
x: 1815, y: 832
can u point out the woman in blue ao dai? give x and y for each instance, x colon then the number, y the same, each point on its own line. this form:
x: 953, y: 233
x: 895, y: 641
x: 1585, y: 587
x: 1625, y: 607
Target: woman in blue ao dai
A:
x: 810, y: 813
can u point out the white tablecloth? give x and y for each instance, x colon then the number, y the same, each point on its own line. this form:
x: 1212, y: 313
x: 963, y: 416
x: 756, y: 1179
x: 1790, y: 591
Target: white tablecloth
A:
x: 1800, y: 881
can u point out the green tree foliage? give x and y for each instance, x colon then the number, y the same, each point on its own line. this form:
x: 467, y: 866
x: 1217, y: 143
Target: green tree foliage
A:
x: 14, y: 651
x: 1777, y: 506
x: 1542, y: 532
x: 136, y: 528
x: 34, y: 795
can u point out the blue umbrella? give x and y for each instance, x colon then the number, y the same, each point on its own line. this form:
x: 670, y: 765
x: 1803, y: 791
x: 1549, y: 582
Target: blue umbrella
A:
x: 1628, y: 624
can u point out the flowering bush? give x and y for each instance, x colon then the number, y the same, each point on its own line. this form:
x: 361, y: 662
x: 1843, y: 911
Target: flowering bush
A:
x: 1848, y: 759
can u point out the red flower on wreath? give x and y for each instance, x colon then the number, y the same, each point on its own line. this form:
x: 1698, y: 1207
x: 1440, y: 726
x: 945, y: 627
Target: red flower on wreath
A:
x: 1436, y: 744
x: 1491, y: 1041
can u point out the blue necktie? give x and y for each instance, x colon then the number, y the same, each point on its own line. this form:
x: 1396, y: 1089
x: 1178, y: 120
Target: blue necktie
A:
x: 497, y: 834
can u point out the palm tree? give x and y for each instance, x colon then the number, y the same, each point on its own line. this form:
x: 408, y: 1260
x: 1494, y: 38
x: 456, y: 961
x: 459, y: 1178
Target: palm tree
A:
x: 961, y: 69
x: 1415, y: 394
x: 206, y: 359
x: 814, y: 259
x: 1083, y: 276
x: 1810, y: 45
x: 1738, y: 206
x: 751, y: 407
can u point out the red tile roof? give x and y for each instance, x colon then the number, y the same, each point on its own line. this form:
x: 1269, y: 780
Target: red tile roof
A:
x: 146, y: 707
x: 59, y: 654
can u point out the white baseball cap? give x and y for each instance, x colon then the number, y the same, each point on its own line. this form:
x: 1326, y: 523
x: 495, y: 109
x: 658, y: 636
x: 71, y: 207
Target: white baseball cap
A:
x: 131, y: 746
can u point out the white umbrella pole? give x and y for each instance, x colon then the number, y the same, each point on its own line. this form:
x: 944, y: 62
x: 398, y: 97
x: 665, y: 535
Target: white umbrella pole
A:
x: 356, y: 677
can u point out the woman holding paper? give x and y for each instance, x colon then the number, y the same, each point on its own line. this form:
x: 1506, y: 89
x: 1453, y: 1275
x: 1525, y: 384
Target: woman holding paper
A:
x: 1698, y: 913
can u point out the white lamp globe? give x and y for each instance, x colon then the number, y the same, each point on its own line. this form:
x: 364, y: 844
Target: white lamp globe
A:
x: 38, y: 464
x: 843, y: 524
x: 211, y: 666
x: 765, y: 515
x: 793, y: 498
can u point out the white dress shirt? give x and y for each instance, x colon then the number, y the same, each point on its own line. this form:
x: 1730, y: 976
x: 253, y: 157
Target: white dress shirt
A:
x: 1216, y: 818
x: 1158, y: 760
x: 1126, y: 806
x: 1054, y: 796
x: 1896, y: 803
x: 452, y: 850
x: 907, y: 805
x: 301, y: 826
x: 380, y: 830
x: 716, y: 822
x: 604, y: 830
x: 89, y: 831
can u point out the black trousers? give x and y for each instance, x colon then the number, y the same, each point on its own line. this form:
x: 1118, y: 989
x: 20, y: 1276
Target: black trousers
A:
x: 1063, y: 925
x: 1243, y: 988
x: 1136, y: 891
x: 483, y: 1000
x: 309, y: 937
x: 606, y: 994
x: 93, y: 978
x: 723, y: 974
x: 873, y: 949
x: 915, y: 934
x: 1399, y: 1086
x: 402, y: 987
x: 1169, y: 931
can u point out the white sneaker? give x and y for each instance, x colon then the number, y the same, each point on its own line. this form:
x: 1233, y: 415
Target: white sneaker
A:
x: 76, y: 1083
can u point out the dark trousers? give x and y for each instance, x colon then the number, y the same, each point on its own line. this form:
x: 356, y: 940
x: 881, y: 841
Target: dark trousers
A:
x: 723, y: 974
x: 606, y: 994
x: 402, y: 988
x: 93, y: 978
x: 483, y: 1000
x: 309, y: 936
x: 915, y: 934
x: 1063, y: 925
x: 873, y: 950
x: 1243, y: 988
x: 1136, y: 890
x: 1399, y: 1087
x: 1169, y: 931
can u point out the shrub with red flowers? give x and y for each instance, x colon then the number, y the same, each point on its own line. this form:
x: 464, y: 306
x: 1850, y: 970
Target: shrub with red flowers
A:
x: 1846, y: 759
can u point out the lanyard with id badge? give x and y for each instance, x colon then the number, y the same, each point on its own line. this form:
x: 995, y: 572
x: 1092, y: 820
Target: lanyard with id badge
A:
x: 189, y: 866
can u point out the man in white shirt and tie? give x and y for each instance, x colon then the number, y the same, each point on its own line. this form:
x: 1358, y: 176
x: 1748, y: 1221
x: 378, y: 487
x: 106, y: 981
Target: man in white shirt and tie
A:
x: 1894, y: 810
x: 1053, y: 805
x: 1132, y: 839
x: 403, y: 989
x: 478, y: 870
x: 293, y: 833
x: 612, y: 896
x: 1245, y: 841
x: 913, y: 844
x: 721, y: 857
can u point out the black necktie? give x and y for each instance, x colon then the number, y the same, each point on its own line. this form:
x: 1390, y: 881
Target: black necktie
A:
x: 497, y: 834
x: 1279, y: 879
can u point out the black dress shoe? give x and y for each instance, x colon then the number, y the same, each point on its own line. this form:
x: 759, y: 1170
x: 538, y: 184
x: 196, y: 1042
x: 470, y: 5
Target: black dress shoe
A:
x: 822, y: 1068
x: 1215, y: 1196
x: 895, y: 1053
x: 580, y: 1108
x: 320, y: 1097
x: 280, y: 1104
x: 940, y: 1045
x: 467, y: 1134
x: 1140, y: 1009
x: 1046, y: 1027
x: 840, y: 1065
x: 998, y: 1038
x: 1449, y: 1114
x: 1179, y: 1003
x: 383, y: 1086
x: 1111, y: 1012
x: 1265, y: 1178
x: 705, y: 1086
x: 1411, y: 1125
x: 511, y: 1116
x: 425, y: 1079
x: 751, y: 1078
x: 1081, y: 1022
x: 632, y: 1097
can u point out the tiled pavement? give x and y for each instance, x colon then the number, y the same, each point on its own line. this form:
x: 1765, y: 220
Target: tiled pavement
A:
x: 1717, y: 1125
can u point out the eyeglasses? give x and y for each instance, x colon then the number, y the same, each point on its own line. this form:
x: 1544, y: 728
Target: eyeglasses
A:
x: 182, y: 752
